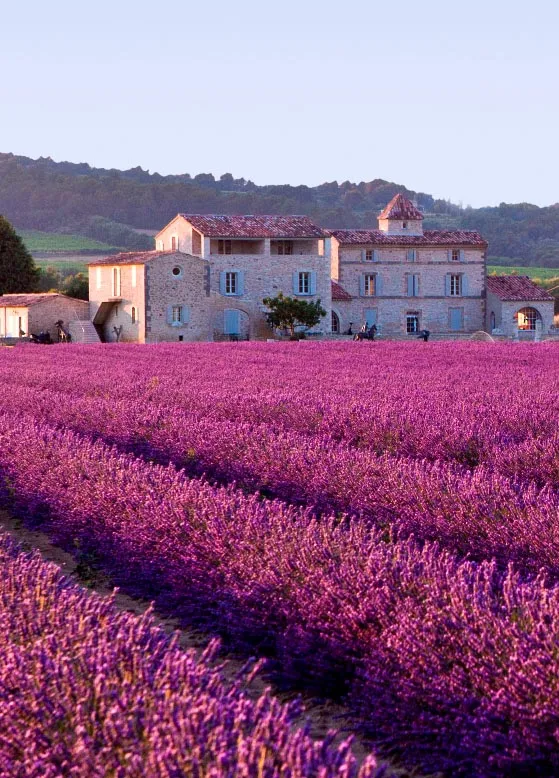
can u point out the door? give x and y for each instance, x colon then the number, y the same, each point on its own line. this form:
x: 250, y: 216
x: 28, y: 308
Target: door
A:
x: 232, y: 324
x: 370, y: 317
x: 456, y: 319
x: 12, y: 329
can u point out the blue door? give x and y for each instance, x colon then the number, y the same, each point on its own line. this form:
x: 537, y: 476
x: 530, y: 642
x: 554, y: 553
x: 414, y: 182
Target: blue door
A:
x: 232, y: 325
x: 456, y: 319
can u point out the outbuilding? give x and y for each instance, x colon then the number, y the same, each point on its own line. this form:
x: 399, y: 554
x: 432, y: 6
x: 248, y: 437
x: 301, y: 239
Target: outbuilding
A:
x: 23, y: 314
x: 517, y: 307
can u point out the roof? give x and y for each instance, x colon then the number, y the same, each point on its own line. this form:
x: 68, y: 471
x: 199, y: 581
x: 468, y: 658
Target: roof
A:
x: 339, y: 293
x: 130, y: 258
x: 516, y: 288
x: 25, y: 300
x: 401, y: 208
x: 216, y: 226
x: 429, y: 238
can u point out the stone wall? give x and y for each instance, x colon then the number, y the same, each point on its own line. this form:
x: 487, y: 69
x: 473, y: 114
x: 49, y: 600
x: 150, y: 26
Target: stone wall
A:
x: 504, y: 311
x: 132, y: 296
x: 41, y: 316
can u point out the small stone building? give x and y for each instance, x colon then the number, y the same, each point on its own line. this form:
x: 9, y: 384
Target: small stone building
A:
x: 517, y: 307
x: 404, y: 278
x: 23, y: 314
x: 150, y: 297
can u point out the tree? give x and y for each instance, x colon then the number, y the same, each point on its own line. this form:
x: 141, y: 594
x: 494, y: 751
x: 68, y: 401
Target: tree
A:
x: 289, y: 312
x: 77, y: 286
x: 17, y: 268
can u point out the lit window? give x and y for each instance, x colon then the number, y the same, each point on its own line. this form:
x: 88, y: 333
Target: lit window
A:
x: 370, y: 285
x: 133, y: 315
x: 224, y: 247
x: 455, y: 286
x: 231, y: 283
x: 116, y: 282
x: 176, y: 314
x: 412, y: 323
x: 527, y: 318
x: 304, y: 286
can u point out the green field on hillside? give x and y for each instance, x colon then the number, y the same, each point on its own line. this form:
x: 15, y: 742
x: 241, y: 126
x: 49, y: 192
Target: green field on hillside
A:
x: 543, y: 273
x: 49, y: 241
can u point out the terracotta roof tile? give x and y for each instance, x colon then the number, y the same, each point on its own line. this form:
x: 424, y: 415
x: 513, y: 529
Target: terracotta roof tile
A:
x: 339, y: 293
x: 401, y: 208
x: 217, y: 226
x: 516, y: 288
x: 25, y: 300
x: 130, y: 258
x: 429, y: 238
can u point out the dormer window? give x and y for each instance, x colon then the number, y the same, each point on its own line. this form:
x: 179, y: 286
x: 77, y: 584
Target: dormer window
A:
x: 404, y: 225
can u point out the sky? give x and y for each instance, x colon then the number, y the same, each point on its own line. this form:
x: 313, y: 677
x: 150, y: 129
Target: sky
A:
x: 460, y: 100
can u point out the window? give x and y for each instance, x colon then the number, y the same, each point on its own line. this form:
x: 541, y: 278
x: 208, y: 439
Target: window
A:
x: 404, y: 225
x: 335, y: 322
x: 173, y: 243
x: 412, y: 322
x: 304, y: 286
x: 370, y: 285
x: 527, y: 318
x: 116, y: 282
x: 412, y: 284
x: 412, y: 255
x: 177, y: 271
x: 231, y: 283
x: 455, y: 255
x: 224, y: 247
x: 455, y: 285
x: 133, y: 315
x: 176, y: 314
x: 285, y: 247
x: 369, y: 256
x: 98, y: 277
x: 133, y: 275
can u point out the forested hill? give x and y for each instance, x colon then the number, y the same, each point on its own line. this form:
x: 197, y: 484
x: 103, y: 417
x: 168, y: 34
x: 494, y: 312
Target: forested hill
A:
x: 66, y: 197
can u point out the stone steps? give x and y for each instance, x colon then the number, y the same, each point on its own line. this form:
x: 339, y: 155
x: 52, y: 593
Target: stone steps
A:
x: 83, y: 332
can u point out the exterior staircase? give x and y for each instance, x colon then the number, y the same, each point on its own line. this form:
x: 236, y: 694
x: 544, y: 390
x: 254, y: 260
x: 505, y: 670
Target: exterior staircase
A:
x: 83, y: 332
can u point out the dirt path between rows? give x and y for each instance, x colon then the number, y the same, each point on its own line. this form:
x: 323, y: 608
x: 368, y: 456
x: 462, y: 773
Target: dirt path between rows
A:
x: 321, y: 716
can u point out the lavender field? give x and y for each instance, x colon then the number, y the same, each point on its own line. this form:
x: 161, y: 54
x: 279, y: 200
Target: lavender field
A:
x: 380, y: 520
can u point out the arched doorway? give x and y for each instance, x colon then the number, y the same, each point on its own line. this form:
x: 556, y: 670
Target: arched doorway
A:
x: 526, y: 319
x: 492, y: 321
x: 335, y: 323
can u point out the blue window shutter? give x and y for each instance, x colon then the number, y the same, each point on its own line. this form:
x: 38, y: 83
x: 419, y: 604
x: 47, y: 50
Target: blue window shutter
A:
x: 378, y: 284
x: 222, y: 282
x: 370, y: 316
x: 185, y: 314
x: 447, y: 285
x: 375, y: 255
x: 169, y: 314
x: 363, y: 255
x: 410, y: 284
x: 462, y: 255
x: 449, y: 255
x: 416, y: 284
x: 464, y: 284
x: 313, y: 283
x: 362, y: 285
x: 240, y: 282
x: 296, y: 282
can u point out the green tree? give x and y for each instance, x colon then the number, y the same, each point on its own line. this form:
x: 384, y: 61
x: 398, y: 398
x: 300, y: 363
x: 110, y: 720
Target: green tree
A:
x: 77, y: 286
x: 290, y: 312
x: 17, y: 269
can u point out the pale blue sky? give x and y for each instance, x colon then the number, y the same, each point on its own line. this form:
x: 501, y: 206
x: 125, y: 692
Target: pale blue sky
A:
x: 460, y: 100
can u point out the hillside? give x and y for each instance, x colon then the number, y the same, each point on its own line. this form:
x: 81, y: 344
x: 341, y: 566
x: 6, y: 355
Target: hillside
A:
x: 110, y: 205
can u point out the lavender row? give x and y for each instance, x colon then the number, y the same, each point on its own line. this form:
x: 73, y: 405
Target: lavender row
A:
x: 477, y: 513
x: 452, y: 663
x: 490, y: 404
x: 88, y: 691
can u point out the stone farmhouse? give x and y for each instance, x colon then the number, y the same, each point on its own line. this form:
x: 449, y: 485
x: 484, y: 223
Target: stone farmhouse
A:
x: 517, y: 307
x: 405, y: 279
x: 207, y: 278
x: 208, y: 275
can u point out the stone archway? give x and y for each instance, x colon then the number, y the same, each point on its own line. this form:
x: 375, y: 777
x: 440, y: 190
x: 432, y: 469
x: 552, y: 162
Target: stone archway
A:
x: 527, y: 318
